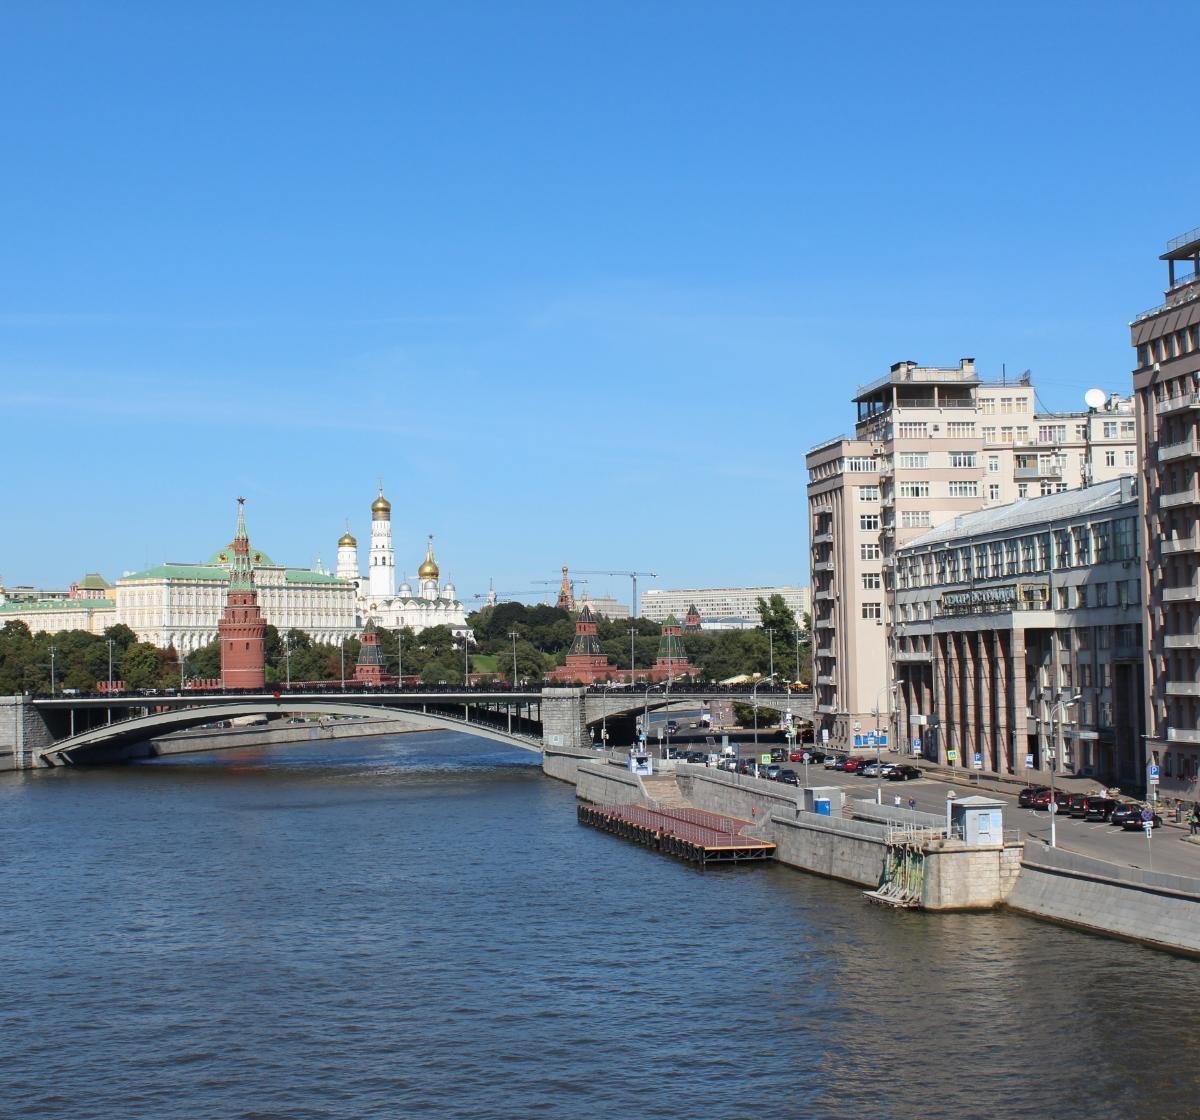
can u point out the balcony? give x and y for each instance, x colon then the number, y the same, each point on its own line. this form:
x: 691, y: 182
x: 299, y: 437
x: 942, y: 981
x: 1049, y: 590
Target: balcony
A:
x: 1188, y: 593
x: 1045, y: 470
x: 826, y: 652
x: 827, y: 709
x: 1173, y: 499
x: 1183, y: 688
x: 1181, y: 641
x: 823, y: 566
x: 886, y: 469
x: 912, y: 655
x: 822, y: 595
x: 824, y: 624
x: 1185, y: 449
x: 1182, y: 735
x: 822, y: 538
x: 1175, y: 545
x: 888, y: 501
x: 827, y: 678
x: 1181, y: 403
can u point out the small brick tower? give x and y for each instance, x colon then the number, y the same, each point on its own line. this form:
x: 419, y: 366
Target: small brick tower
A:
x: 370, y: 656
x: 692, y: 622
x: 672, y: 657
x: 242, y: 627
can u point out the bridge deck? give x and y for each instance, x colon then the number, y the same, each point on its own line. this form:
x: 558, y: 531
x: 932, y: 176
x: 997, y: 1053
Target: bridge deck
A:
x: 690, y: 834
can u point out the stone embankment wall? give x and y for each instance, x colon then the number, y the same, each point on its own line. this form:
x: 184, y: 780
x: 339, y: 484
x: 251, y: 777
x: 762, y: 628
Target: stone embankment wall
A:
x: 605, y: 784
x: 1126, y: 902
x: 22, y: 731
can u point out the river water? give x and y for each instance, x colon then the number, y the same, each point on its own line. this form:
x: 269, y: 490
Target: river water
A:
x: 417, y: 927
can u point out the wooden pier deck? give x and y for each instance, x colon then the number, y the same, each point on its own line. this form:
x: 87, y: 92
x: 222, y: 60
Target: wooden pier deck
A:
x: 686, y: 833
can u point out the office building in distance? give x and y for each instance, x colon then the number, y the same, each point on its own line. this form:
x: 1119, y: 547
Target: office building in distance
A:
x: 720, y: 608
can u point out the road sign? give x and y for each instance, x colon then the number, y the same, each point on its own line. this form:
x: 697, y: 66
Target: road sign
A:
x: 806, y: 758
x: 870, y: 739
x: 858, y: 741
x: 1149, y: 827
x: 824, y: 734
x: 1147, y: 817
x: 952, y: 756
x: 1029, y: 762
x: 765, y: 759
x: 1152, y: 772
x: 978, y: 761
x: 857, y: 725
x: 916, y: 743
x: 1052, y: 807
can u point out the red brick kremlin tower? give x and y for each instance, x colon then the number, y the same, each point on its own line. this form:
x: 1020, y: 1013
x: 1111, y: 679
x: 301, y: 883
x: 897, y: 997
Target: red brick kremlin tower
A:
x: 370, y: 656
x: 242, y: 627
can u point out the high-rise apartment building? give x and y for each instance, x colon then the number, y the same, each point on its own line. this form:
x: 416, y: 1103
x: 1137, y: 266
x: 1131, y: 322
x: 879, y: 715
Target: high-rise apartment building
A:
x: 929, y: 443
x: 1166, y: 382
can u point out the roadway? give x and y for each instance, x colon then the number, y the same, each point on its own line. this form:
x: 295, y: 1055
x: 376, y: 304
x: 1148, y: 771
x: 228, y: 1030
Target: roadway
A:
x: 1168, y: 851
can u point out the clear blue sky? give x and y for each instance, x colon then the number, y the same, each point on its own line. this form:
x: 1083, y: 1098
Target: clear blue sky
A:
x: 582, y: 282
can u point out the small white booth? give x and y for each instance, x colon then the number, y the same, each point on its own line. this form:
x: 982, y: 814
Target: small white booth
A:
x: 978, y: 820
x: 826, y: 801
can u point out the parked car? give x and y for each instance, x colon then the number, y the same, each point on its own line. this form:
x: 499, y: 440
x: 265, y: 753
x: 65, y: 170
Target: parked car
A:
x: 1026, y: 796
x: 789, y: 777
x: 672, y: 727
x: 1123, y: 810
x: 815, y: 756
x: 831, y: 762
x: 853, y: 764
x: 1134, y: 820
x: 698, y: 757
x: 1077, y: 806
x: 1100, y: 808
x: 778, y: 754
x: 903, y: 773
x: 748, y: 766
x: 729, y: 764
x: 773, y: 771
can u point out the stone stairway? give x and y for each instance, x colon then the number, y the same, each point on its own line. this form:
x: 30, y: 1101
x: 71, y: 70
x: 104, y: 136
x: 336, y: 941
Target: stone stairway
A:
x: 664, y: 793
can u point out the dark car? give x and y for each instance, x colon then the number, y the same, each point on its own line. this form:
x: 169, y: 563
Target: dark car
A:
x: 789, y: 777
x: 1077, y: 806
x: 903, y: 773
x: 813, y: 756
x: 778, y: 754
x: 1123, y: 811
x: 773, y: 771
x: 698, y: 757
x: 672, y: 727
x: 1134, y: 820
x: 1100, y: 808
x: 747, y: 766
x: 1026, y: 796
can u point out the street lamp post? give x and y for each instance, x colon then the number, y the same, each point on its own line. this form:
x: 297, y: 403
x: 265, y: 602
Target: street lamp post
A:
x: 466, y: 662
x: 770, y: 651
x: 53, y: 651
x: 797, y: 656
x: 513, y: 634
x: 646, y: 713
x: 400, y: 658
x: 110, y: 647
x: 632, y: 654
x: 1059, y: 708
x: 343, y: 649
x: 608, y: 686
x: 878, y: 775
x: 754, y: 699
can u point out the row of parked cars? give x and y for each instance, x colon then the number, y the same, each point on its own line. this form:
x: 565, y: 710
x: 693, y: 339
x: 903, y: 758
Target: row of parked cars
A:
x: 1088, y: 806
x: 868, y: 767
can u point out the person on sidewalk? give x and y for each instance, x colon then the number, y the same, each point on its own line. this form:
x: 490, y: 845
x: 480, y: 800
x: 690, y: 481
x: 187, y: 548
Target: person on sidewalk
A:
x: 1194, y: 820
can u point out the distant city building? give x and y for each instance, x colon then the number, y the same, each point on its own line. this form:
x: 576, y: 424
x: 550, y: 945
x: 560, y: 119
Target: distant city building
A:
x: 1000, y: 613
x: 929, y: 444
x: 605, y: 606
x: 720, y: 608
x: 1166, y: 382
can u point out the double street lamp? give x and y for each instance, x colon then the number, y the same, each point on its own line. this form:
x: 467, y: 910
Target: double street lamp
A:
x: 878, y: 774
x: 754, y: 701
x: 1058, y: 710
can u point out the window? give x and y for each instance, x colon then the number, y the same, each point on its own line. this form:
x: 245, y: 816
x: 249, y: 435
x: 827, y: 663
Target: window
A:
x: 1006, y: 404
x: 872, y: 581
x: 1023, y: 490
x: 914, y: 460
x: 960, y: 489
x: 1052, y: 433
x: 1128, y: 428
x: 1006, y: 434
x: 860, y: 464
x: 993, y: 492
x: 915, y: 518
x: 1110, y: 429
x: 993, y: 464
x: 1102, y: 594
x: 914, y: 489
x: 869, y: 522
x: 868, y: 551
x: 1143, y: 355
x: 1022, y: 434
x: 910, y: 429
x: 964, y: 460
x: 872, y: 611
x: 1125, y: 539
x: 1110, y: 458
x: 868, y: 493
x: 1131, y: 458
x: 989, y: 434
x: 987, y: 406
x: 960, y: 429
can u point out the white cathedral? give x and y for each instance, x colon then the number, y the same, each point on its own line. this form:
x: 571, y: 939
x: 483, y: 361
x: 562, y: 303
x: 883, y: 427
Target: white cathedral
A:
x: 377, y: 596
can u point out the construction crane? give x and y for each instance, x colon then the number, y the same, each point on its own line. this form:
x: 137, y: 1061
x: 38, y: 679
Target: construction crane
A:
x: 632, y: 575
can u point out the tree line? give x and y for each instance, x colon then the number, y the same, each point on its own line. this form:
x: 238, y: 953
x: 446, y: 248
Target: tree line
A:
x: 539, y: 635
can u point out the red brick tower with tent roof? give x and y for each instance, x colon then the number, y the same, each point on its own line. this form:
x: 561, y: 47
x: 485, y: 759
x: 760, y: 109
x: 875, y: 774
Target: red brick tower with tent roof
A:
x: 242, y: 627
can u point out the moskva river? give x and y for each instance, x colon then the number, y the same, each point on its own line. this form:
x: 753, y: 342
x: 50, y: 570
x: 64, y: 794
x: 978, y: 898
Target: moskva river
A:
x: 417, y: 927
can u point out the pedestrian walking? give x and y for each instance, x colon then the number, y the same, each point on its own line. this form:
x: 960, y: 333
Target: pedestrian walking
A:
x: 896, y: 801
x: 1194, y: 819
x: 912, y: 804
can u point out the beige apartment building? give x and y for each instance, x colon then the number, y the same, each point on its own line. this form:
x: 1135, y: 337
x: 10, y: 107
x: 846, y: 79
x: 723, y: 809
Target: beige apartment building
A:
x: 929, y: 444
x: 1166, y: 383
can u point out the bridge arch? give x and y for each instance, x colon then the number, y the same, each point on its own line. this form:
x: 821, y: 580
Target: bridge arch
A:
x: 129, y: 738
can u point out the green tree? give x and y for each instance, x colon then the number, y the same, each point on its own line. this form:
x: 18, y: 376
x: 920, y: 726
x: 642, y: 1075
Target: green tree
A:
x: 140, y: 666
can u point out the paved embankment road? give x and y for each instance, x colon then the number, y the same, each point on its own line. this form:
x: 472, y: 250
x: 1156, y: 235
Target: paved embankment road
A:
x: 1168, y: 850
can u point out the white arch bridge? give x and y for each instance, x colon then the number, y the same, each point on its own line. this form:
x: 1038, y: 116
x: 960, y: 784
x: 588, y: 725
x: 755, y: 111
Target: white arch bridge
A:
x: 68, y: 730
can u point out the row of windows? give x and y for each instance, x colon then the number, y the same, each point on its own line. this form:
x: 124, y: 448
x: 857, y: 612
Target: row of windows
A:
x: 988, y: 405
x: 1185, y: 341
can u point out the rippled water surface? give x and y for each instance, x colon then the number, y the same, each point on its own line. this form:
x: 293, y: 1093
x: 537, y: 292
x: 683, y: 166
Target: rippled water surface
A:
x: 417, y: 927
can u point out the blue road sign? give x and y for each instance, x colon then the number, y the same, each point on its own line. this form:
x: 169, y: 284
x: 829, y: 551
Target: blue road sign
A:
x: 1152, y: 771
x: 858, y: 740
x: 870, y: 739
x: 917, y: 744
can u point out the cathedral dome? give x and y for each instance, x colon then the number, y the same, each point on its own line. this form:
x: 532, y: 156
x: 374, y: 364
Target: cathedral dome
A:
x: 381, y: 508
x: 347, y: 541
x: 429, y: 568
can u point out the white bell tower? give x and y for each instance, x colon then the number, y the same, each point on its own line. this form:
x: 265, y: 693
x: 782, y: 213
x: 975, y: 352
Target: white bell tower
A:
x: 381, y: 574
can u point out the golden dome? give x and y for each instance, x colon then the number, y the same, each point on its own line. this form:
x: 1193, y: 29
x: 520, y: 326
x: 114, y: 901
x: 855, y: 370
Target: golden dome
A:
x: 347, y: 541
x: 381, y: 506
x: 429, y: 569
